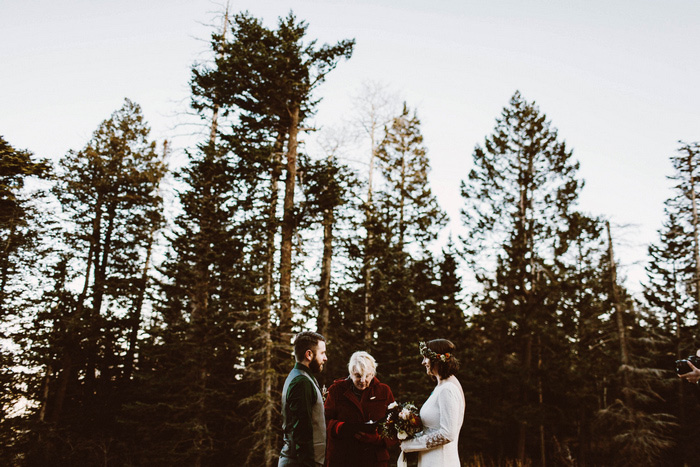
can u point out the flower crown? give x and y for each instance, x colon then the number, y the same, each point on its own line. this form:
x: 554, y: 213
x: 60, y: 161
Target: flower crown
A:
x: 431, y: 354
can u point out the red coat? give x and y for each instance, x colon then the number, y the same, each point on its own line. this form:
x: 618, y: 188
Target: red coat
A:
x: 343, y: 406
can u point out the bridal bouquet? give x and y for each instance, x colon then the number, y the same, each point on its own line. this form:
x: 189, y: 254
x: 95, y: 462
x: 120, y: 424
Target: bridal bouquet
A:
x: 402, y: 421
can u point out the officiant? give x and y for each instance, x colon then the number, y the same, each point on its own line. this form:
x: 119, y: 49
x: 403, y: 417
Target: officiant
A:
x: 351, y: 406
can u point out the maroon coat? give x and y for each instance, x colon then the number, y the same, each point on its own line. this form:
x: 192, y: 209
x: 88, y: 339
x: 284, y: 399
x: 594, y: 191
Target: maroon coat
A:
x: 343, y: 406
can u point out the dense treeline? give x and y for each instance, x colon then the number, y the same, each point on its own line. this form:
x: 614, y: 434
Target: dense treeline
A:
x: 131, y: 338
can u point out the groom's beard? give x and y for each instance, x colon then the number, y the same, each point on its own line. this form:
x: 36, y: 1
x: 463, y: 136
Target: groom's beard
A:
x: 314, y: 366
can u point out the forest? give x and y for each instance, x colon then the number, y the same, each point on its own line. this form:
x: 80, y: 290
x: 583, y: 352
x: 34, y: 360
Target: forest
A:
x: 134, y: 334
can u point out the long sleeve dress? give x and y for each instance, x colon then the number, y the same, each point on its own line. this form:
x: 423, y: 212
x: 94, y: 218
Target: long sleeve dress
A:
x: 442, y: 416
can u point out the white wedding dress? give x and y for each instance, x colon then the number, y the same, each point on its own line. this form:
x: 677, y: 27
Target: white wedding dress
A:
x: 442, y: 416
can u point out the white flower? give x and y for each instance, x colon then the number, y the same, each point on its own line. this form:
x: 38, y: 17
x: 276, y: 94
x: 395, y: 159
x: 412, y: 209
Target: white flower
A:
x: 404, y: 414
x: 392, y: 405
x: 402, y: 435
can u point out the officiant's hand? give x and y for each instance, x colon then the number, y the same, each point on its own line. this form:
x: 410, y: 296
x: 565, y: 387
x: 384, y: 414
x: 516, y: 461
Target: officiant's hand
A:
x: 351, y: 428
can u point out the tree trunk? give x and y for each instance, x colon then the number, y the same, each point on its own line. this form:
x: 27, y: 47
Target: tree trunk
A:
x: 288, y: 227
x: 104, y: 250
x: 200, y: 427
x: 402, y: 207
x: 696, y: 242
x: 65, y: 371
x: 137, y: 310
x: 527, y: 286
x: 540, y: 400
x: 325, y: 289
x: 45, y: 385
x: 367, y: 260
x: 215, y: 109
x: 619, y: 315
x: 679, y: 353
x: 135, y: 317
x: 268, y: 379
x: 198, y: 334
x: 522, y: 426
x: 5, y: 265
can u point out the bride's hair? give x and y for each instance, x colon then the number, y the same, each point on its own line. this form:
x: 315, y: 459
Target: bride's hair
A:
x: 447, y: 366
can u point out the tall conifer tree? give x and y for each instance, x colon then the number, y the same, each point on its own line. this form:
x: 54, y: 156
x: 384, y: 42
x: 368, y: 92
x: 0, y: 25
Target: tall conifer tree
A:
x: 109, y: 192
x: 519, y: 197
x: 265, y: 79
x: 671, y: 287
x: 21, y: 236
x: 408, y: 219
x: 632, y: 428
x: 189, y: 375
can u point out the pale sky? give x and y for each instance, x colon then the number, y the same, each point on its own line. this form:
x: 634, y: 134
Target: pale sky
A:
x: 619, y: 80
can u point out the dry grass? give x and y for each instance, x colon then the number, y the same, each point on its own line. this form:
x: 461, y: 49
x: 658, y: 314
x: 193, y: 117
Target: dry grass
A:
x: 478, y: 461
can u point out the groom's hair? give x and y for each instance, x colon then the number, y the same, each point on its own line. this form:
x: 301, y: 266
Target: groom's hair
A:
x: 307, y: 340
x: 448, y: 367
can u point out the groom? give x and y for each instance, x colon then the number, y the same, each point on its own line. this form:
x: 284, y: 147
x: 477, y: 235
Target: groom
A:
x: 303, y: 421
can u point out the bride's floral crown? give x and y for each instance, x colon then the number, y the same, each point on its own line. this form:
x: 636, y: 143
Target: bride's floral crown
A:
x: 431, y: 354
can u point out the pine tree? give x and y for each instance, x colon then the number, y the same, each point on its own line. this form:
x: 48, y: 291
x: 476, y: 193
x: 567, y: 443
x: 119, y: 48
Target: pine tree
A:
x: 374, y: 116
x: 633, y: 429
x: 265, y: 80
x: 671, y: 288
x: 269, y: 77
x: 327, y: 185
x: 446, y: 317
x: 587, y: 364
x: 188, y: 378
x: 518, y: 199
x: 16, y: 215
x: 21, y: 250
x: 109, y: 192
x: 407, y: 219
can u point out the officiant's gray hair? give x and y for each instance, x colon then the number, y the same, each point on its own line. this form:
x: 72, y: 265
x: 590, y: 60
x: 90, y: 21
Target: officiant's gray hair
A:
x: 363, y: 363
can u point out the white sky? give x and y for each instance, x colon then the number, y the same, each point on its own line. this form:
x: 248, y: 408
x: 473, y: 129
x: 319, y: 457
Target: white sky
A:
x: 619, y: 79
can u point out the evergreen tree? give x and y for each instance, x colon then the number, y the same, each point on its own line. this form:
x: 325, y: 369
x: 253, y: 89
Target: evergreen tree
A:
x: 17, y: 232
x: 591, y: 359
x: 671, y: 287
x: 327, y: 185
x: 21, y: 251
x: 446, y: 316
x: 635, y: 427
x: 407, y: 218
x: 187, y: 394
x: 518, y: 200
x: 673, y: 269
x: 109, y: 194
x: 265, y: 80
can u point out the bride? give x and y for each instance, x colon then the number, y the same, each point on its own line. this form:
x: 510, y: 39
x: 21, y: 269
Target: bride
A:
x: 443, y: 412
